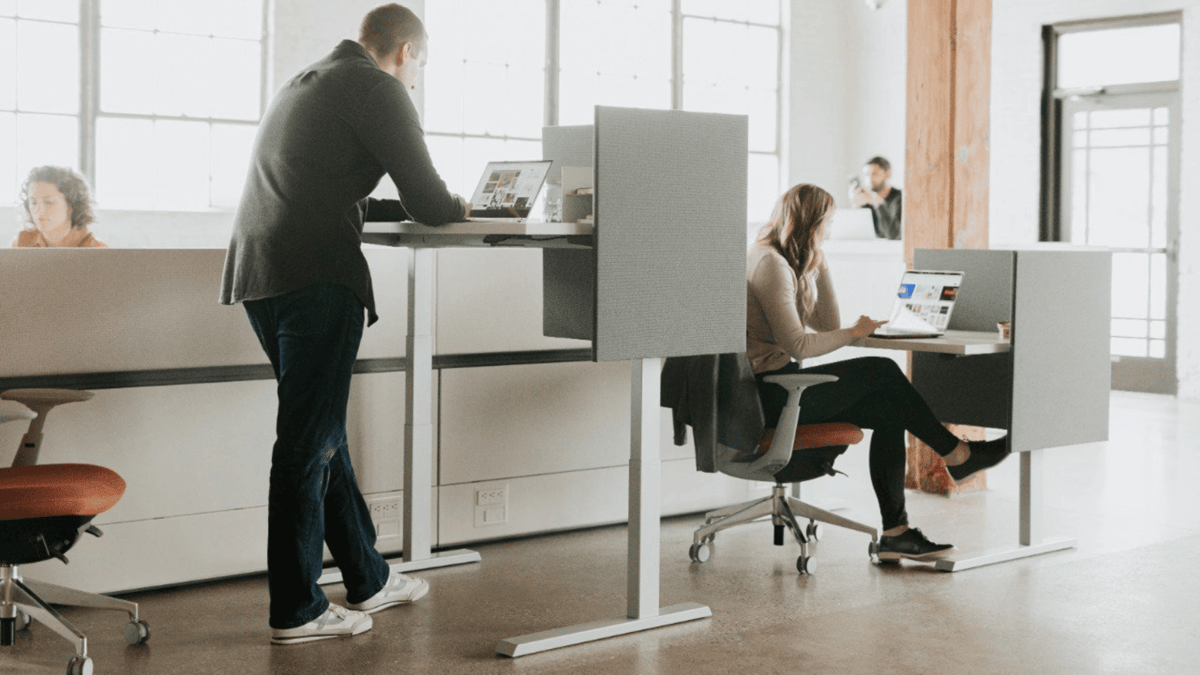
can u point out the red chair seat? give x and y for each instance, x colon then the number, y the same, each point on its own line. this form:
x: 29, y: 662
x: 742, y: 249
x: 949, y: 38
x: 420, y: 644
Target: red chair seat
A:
x: 48, y: 490
x: 825, y: 435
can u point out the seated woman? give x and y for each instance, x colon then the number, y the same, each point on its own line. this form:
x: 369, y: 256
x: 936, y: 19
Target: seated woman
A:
x: 792, y: 314
x: 58, y: 210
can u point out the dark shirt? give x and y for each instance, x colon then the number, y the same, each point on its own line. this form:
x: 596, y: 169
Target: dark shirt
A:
x: 329, y: 136
x: 887, y: 215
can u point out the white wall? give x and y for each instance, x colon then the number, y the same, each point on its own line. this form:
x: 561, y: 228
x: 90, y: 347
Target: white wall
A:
x: 847, y: 100
x: 1016, y: 138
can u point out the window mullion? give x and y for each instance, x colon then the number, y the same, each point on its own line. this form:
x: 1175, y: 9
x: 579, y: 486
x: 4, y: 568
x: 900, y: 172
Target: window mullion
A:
x: 89, y: 99
x: 553, y: 29
x: 677, y: 54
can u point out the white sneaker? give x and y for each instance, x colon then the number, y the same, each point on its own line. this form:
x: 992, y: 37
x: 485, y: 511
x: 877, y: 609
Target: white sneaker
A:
x: 398, y: 590
x: 337, y: 621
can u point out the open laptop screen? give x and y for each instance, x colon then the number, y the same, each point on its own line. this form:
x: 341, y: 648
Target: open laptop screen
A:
x: 924, y: 303
x: 508, y: 189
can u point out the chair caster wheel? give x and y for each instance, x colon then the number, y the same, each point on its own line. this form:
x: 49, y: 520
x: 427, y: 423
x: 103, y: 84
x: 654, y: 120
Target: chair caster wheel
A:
x: 23, y: 620
x: 80, y: 665
x: 873, y: 550
x: 137, y: 632
x: 806, y: 564
x: 814, y: 531
x: 699, y: 553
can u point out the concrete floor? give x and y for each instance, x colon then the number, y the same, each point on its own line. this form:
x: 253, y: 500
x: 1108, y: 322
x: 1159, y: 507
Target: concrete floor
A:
x: 1122, y: 601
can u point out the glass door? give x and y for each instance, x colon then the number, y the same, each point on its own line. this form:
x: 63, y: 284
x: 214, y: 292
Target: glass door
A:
x: 1120, y: 190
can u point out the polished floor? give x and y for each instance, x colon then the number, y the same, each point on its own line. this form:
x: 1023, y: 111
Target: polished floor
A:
x: 1123, y: 601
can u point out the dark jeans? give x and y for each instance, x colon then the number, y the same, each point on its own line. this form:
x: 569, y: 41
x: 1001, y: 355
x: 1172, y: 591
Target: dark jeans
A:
x: 311, y: 337
x: 871, y: 393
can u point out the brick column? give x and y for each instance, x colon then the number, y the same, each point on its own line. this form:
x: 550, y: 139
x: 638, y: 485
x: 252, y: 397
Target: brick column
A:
x: 946, y: 161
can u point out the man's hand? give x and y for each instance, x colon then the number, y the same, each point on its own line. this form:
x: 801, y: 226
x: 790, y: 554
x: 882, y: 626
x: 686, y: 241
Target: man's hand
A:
x: 865, y: 326
x: 466, y: 206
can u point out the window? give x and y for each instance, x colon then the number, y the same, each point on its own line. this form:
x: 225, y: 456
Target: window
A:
x: 488, y: 95
x: 159, y: 107
x: 39, y: 88
x: 1113, y: 175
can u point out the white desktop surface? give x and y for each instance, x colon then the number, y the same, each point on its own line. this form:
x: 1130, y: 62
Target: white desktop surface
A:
x: 393, y: 233
x: 957, y: 342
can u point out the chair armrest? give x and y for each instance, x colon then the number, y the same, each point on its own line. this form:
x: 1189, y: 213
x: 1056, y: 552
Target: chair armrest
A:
x: 11, y: 412
x: 40, y: 401
x: 790, y: 380
x: 785, y: 432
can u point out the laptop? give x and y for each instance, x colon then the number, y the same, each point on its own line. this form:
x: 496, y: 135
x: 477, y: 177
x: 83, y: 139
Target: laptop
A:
x: 507, y: 190
x: 923, y: 305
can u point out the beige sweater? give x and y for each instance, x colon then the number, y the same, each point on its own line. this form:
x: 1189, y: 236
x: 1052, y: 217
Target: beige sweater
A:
x: 777, y: 329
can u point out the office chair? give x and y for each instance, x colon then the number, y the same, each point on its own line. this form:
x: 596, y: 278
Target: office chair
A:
x: 793, y: 454
x: 44, y: 510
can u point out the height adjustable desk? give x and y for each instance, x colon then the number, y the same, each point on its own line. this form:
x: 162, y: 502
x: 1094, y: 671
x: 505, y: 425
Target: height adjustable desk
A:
x: 1048, y: 386
x: 660, y: 273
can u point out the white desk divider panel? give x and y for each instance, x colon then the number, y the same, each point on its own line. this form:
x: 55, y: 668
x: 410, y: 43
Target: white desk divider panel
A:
x: 1051, y: 389
x: 666, y: 277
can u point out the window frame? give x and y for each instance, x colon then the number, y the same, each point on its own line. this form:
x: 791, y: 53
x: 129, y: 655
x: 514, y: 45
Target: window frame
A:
x: 89, y: 102
x: 553, y: 67
x: 1050, y: 227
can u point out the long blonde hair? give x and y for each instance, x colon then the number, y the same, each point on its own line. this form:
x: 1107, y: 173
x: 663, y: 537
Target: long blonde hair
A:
x: 794, y: 231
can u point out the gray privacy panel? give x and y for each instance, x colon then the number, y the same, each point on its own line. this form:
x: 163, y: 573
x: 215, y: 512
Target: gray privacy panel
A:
x: 568, y: 275
x: 1062, y: 370
x: 567, y: 146
x: 986, y: 295
x: 973, y: 390
x: 670, y: 211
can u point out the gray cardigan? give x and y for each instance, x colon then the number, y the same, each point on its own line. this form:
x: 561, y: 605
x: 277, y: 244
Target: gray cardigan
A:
x: 329, y: 136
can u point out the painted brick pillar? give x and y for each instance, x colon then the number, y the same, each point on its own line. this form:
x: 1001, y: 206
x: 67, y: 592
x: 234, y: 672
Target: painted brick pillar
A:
x: 946, y: 161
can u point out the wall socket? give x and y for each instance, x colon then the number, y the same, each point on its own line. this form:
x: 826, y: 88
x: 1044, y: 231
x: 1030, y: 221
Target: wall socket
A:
x: 491, y: 505
x: 385, y: 513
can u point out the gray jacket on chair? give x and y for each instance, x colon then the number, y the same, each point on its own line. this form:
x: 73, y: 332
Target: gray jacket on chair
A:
x: 717, y: 396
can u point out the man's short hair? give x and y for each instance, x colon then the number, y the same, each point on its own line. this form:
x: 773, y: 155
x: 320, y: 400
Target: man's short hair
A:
x: 387, y: 27
x: 880, y: 162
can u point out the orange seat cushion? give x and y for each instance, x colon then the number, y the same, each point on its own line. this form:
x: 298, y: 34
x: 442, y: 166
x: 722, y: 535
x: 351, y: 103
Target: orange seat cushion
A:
x: 47, y: 490
x: 823, y: 435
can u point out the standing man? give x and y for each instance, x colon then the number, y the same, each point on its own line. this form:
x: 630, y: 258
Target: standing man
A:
x: 295, y: 262
x: 883, y: 199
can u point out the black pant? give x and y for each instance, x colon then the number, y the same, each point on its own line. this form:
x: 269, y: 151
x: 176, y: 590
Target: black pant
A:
x: 871, y: 393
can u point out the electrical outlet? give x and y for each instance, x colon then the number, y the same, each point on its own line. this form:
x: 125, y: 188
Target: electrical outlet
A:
x: 491, y: 505
x: 385, y: 514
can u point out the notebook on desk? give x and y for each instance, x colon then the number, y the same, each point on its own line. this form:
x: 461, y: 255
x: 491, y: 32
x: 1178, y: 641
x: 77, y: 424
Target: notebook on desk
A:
x: 923, y: 305
x: 507, y: 190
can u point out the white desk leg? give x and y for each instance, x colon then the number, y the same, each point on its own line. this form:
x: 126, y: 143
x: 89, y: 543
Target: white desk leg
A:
x: 645, y: 485
x: 418, y: 429
x: 1030, y: 542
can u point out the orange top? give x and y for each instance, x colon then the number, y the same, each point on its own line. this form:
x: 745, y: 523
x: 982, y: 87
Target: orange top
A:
x: 45, y: 490
x: 77, y: 238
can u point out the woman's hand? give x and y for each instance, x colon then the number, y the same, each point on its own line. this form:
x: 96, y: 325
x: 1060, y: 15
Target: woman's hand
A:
x: 865, y: 326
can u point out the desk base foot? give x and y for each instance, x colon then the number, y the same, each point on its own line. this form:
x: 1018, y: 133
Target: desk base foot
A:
x: 957, y: 564
x: 460, y: 556
x: 598, y: 630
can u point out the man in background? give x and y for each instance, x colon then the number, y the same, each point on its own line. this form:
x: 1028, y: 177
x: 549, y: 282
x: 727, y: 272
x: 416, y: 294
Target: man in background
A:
x: 295, y: 262
x: 874, y: 192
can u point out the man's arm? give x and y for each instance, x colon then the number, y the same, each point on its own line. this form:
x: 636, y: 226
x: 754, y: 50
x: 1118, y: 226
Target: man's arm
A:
x: 391, y: 130
x: 384, y: 210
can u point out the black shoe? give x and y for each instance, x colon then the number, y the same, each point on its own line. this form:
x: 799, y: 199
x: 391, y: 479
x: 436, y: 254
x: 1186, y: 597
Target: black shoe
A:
x: 911, y: 544
x: 984, y: 455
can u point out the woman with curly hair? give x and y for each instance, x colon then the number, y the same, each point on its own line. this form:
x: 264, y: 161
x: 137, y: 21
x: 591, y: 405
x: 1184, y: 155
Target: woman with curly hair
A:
x: 792, y: 314
x: 58, y: 209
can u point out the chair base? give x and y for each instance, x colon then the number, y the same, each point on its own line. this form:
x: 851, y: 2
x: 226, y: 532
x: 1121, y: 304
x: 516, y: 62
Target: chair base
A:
x: 783, y: 509
x: 33, y: 600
